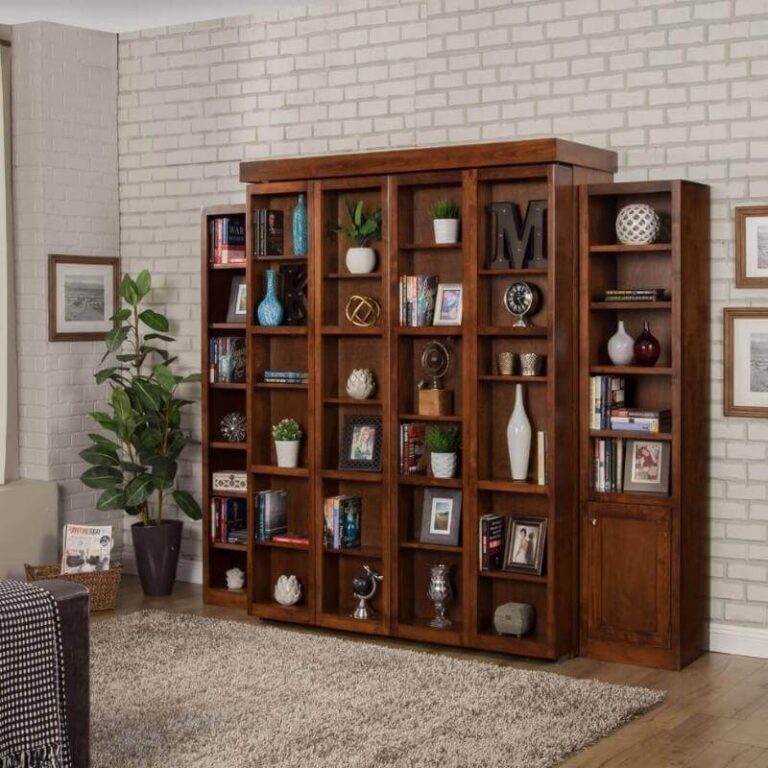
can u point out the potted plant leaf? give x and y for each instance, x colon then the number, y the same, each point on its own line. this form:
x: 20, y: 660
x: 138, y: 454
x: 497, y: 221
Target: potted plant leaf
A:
x: 287, y: 435
x: 444, y: 444
x: 362, y: 231
x: 445, y: 215
x: 136, y: 467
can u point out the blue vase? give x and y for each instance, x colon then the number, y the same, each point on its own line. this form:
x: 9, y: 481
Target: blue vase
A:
x: 300, y: 227
x: 270, y: 310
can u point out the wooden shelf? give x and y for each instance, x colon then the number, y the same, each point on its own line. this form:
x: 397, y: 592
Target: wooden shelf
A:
x: 504, y: 330
x: 271, y: 469
x: 430, y: 246
x: 373, y: 553
x: 228, y: 598
x: 351, y: 330
x: 514, y: 379
x: 631, y: 370
x: 298, y: 614
x: 350, y: 276
x: 513, y: 576
x: 512, y: 486
x: 229, y: 494
x: 620, y: 248
x: 351, y: 401
x: 429, y: 330
x: 281, y: 259
x: 276, y: 385
x: 528, y: 645
x: 427, y: 547
x: 507, y: 273
x: 629, y: 434
x: 356, y: 477
x: 652, y: 499
x: 430, y: 482
x: 630, y: 305
x: 230, y: 547
x: 281, y: 545
x: 422, y: 417
x: 343, y: 620
x: 226, y: 326
x: 222, y: 445
x: 223, y: 267
x: 279, y: 330
x: 419, y: 629
x: 227, y: 385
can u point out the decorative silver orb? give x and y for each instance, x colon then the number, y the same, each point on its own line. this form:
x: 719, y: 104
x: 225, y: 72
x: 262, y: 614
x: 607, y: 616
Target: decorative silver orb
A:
x: 232, y: 427
x: 637, y: 224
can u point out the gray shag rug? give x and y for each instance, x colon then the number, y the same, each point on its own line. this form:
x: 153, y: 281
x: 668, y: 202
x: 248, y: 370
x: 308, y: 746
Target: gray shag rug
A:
x: 176, y: 691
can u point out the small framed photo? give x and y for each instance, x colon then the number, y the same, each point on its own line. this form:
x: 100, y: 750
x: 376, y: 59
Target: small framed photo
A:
x: 646, y: 467
x: 526, y: 546
x: 82, y: 297
x: 751, y: 224
x: 449, y: 304
x: 238, y: 300
x: 441, y: 517
x: 745, y: 364
x: 361, y: 444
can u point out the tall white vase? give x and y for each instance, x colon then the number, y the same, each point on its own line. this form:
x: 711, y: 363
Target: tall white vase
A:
x: 519, y: 437
x: 621, y: 346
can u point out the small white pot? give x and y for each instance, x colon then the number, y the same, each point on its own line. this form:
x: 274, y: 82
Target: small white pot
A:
x: 444, y: 464
x: 360, y: 261
x: 287, y: 452
x: 446, y: 230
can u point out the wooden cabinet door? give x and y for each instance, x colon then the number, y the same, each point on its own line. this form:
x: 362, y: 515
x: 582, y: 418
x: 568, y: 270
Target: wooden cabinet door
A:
x: 628, y: 572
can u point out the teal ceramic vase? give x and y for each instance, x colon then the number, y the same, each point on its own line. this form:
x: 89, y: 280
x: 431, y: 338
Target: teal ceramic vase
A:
x: 300, y: 227
x: 270, y: 310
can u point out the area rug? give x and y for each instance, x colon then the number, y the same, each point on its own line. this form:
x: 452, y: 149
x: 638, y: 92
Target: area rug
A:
x: 176, y: 691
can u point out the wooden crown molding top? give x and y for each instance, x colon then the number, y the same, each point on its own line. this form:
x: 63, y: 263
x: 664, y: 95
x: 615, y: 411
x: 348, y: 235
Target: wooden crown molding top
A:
x: 457, y: 156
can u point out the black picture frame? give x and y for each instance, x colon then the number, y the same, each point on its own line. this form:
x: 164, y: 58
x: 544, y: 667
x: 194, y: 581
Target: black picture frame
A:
x: 361, y: 451
x: 441, y: 516
x: 534, y: 562
x: 238, y: 301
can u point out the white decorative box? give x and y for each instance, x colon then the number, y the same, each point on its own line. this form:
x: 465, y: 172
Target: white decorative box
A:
x: 230, y: 481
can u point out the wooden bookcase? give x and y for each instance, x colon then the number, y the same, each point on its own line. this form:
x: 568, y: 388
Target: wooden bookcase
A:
x: 404, y: 184
x: 642, y: 576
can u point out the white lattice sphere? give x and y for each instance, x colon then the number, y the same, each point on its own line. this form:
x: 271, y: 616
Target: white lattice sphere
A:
x: 637, y: 224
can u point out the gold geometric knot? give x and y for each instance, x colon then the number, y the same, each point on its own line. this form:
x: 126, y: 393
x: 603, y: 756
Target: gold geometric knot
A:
x: 363, y: 311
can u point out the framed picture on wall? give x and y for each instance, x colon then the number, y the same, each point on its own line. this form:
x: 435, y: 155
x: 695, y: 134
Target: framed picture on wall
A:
x: 751, y: 246
x: 745, y: 363
x: 82, y: 297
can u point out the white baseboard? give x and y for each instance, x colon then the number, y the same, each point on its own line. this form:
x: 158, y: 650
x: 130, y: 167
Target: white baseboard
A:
x: 190, y: 571
x: 739, y: 641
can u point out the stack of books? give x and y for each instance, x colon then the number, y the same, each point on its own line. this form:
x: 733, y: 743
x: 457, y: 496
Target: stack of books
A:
x: 228, y: 520
x: 635, y: 294
x: 608, y: 465
x: 491, y: 542
x: 417, y: 299
x: 286, y: 377
x: 226, y: 235
x: 267, y: 232
x: 342, y: 522
x: 291, y: 538
x: 271, y: 514
x: 635, y: 420
x: 226, y: 355
x: 605, y: 394
x: 413, y: 451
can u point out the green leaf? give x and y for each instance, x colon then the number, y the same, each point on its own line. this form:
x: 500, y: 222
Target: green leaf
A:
x: 120, y: 315
x: 101, y: 477
x: 138, y: 489
x: 129, y: 291
x: 164, y: 471
x: 104, y: 420
x: 112, y: 498
x: 191, y: 377
x: 133, y: 511
x: 121, y: 404
x: 143, y: 283
x: 165, y: 378
x: 359, y: 214
x: 116, y: 337
x: 109, y: 373
x: 152, y: 336
x: 149, y: 395
x: 187, y: 504
x: 129, y: 466
x: 154, y: 320
x: 103, y: 441
x: 126, y: 357
x: 100, y: 455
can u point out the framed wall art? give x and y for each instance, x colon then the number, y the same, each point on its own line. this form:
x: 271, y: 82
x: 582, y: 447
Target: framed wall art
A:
x: 82, y: 297
x: 745, y: 363
x: 361, y: 444
x: 751, y: 246
x: 449, y: 304
x: 441, y: 517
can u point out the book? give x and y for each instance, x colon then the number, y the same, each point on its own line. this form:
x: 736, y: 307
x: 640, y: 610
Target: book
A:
x: 268, y: 232
x: 228, y: 520
x: 227, y: 239
x: 417, y: 299
x: 413, y: 451
x: 291, y: 538
x: 608, y: 465
x: 491, y: 542
x: 271, y: 514
x: 226, y: 359
x: 541, y: 458
x: 605, y: 394
x: 86, y: 548
x: 342, y: 520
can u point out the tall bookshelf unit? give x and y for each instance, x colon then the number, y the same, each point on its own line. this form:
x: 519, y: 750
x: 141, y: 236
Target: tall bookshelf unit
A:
x: 642, y: 577
x: 404, y: 184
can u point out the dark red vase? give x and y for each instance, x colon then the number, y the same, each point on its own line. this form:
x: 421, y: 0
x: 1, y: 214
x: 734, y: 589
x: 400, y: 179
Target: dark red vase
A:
x: 647, y: 347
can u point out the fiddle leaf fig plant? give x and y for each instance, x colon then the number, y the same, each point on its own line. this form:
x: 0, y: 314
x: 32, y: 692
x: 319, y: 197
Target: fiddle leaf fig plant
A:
x: 135, y: 467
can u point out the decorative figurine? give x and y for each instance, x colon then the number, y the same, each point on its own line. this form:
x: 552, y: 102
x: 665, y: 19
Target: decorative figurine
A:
x: 235, y: 579
x: 364, y: 587
x: 232, y: 427
x: 637, y: 224
x: 361, y: 384
x: 433, y: 399
x: 440, y: 593
x: 287, y: 590
x: 522, y: 299
x: 530, y: 363
x: 270, y: 310
x: 362, y: 311
x: 518, y: 242
x: 293, y: 279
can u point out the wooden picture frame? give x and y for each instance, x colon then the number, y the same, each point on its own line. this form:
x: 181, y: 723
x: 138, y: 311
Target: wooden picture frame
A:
x: 360, y: 447
x: 745, y: 385
x: 83, y: 295
x: 751, y: 235
x: 447, y: 310
x: 646, y: 466
x: 238, y: 300
x: 441, y: 517
x: 526, y: 545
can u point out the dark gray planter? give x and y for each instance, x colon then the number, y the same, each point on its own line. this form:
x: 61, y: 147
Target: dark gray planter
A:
x: 157, y: 549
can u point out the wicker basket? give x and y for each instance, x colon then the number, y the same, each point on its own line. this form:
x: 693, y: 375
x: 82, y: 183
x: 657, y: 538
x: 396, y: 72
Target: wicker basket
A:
x: 102, y: 586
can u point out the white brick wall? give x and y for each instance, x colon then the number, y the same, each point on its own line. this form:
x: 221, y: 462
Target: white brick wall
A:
x: 65, y: 201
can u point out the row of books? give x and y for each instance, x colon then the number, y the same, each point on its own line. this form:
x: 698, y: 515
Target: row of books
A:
x: 271, y: 509
x: 267, y: 232
x: 608, y: 465
x: 226, y: 355
x: 491, y: 542
x: 286, y: 377
x: 605, y: 394
x: 342, y: 522
x: 226, y: 236
x: 413, y: 451
x: 228, y: 520
x: 637, y: 420
x: 634, y: 294
x: 417, y: 299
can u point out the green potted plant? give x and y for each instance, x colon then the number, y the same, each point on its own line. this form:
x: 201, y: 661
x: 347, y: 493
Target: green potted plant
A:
x: 287, y: 435
x: 135, y: 468
x: 445, y: 215
x: 444, y: 444
x: 362, y: 231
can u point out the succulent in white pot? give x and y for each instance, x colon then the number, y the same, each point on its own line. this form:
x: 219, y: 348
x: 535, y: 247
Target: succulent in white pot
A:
x: 287, y: 435
x: 362, y: 231
x: 445, y: 215
x: 444, y: 444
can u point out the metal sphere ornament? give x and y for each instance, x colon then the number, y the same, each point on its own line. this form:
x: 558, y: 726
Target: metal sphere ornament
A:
x: 232, y: 427
x: 364, y: 587
x: 362, y: 311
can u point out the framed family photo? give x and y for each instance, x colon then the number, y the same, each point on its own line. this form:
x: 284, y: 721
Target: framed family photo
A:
x: 449, y: 304
x: 441, y: 517
x: 361, y: 444
x: 82, y: 297
x: 526, y: 546
x: 238, y: 304
x: 646, y: 466
x: 751, y: 246
x: 745, y: 364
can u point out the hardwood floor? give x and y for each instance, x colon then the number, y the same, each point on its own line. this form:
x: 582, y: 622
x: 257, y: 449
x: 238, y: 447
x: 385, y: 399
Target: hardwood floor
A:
x: 715, y: 714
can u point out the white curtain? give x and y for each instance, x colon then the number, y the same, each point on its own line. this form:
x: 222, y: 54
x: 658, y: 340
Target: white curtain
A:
x: 9, y: 440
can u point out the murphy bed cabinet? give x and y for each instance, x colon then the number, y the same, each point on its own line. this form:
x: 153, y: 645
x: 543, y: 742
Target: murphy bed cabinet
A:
x: 404, y: 185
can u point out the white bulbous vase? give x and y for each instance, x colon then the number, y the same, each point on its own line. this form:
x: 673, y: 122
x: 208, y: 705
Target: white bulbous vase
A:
x: 444, y: 464
x: 519, y: 437
x: 360, y: 261
x: 621, y: 346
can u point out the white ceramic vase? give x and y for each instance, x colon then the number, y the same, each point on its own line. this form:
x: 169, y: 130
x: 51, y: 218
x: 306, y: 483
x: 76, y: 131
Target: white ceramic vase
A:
x: 444, y: 464
x: 446, y: 230
x: 621, y: 346
x: 519, y: 437
x: 287, y: 452
x: 287, y: 590
x: 360, y: 261
x: 235, y: 579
